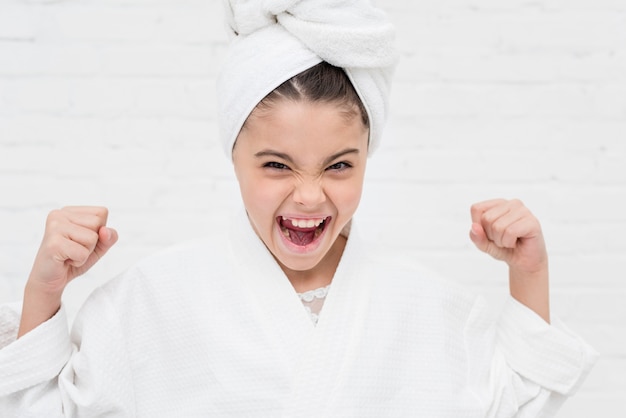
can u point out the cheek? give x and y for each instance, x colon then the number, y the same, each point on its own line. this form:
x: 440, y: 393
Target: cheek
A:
x: 346, y: 196
x: 263, y: 197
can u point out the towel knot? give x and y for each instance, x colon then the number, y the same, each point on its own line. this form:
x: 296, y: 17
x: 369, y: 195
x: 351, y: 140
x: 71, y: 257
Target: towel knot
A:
x: 345, y: 33
x: 247, y: 16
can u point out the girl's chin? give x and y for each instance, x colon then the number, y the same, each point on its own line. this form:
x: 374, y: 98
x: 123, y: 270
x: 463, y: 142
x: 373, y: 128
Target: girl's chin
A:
x: 289, y: 263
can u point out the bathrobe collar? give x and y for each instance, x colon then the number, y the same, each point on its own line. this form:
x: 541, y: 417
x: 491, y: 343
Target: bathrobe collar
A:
x: 315, y: 355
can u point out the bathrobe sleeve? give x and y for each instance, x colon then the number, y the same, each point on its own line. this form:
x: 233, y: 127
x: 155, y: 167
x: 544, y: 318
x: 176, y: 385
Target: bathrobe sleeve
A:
x: 46, y: 373
x: 534, y: 366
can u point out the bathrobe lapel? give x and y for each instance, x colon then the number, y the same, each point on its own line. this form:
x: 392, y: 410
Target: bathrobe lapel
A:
x: 321, y: 370
x: 316, y: 357
x: 276, y: 303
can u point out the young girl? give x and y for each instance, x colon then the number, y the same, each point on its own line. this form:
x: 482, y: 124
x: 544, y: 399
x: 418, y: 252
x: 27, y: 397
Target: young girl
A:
x: 289, y: 314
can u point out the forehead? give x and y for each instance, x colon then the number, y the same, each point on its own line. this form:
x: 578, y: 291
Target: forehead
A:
x: 303, y: 126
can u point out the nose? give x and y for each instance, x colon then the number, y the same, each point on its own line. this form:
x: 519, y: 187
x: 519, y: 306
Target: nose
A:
x: 309, y: 192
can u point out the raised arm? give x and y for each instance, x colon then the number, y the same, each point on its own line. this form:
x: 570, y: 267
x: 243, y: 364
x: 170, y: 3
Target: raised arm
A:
x: 75, y: 239
x: 508, y: 231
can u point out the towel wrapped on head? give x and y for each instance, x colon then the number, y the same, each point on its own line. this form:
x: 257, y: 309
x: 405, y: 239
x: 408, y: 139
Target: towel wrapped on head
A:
x: 274, y: 40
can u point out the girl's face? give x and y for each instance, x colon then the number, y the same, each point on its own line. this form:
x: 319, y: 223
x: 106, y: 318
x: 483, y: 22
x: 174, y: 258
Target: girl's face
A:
x: 300, y: 167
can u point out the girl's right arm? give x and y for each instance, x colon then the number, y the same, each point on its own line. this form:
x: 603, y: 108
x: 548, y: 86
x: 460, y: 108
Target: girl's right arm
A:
x: 75, y: 239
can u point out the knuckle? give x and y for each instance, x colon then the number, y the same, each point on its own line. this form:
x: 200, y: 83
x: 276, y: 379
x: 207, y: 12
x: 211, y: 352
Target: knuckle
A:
x: 102, y: 212
x: 54, y: 215
x: 508, y: 236
x: 516, y: 203
x: 490, y: 218
x: 499, y: 225
x: 82, y: 255
x: 52, y: 244
x: 67, y: 209
x: 53, y: 224
x: 93, y: 238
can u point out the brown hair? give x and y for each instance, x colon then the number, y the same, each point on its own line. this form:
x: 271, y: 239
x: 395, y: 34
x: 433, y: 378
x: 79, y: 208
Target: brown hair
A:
x: 321, y: 83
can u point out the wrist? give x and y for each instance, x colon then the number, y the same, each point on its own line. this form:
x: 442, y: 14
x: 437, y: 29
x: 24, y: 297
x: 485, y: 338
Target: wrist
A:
x: 42, y: 293
x: 531, y: 288
x: 539, y: 272
x: 39, y: 305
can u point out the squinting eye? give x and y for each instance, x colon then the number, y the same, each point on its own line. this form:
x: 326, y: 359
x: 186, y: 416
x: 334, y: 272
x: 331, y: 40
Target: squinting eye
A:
x: 275, y: 165
x: 339, y: 166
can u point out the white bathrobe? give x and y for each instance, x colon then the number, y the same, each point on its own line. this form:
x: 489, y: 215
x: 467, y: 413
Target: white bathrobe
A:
x: 214, y: 328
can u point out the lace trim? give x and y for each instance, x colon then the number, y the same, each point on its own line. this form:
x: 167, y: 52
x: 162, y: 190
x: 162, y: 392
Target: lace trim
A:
x: 313, y: 300
x: 309, y: 295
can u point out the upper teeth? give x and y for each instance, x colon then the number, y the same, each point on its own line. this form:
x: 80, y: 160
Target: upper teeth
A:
x: 305, y: 223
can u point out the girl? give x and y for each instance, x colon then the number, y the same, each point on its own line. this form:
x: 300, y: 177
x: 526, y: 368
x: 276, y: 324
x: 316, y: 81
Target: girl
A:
x: 289, y: 314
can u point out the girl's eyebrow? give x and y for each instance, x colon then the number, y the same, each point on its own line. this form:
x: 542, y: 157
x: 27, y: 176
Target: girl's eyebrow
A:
x: 341, y: 154
x: 272, y: 153
x: 286, y: 157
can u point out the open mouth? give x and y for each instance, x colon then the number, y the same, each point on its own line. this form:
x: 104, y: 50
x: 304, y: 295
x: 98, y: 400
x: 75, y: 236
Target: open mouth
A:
x: 302, y: 232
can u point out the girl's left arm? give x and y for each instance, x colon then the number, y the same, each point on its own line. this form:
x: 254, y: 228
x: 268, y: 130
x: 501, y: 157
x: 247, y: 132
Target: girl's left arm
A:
x: 508, y: 231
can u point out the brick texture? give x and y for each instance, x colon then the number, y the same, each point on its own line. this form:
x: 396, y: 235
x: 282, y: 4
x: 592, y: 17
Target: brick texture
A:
x: 112, y: 103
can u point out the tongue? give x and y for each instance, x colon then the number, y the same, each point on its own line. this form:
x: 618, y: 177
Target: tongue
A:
x: 297, y: 235
x: 301, y: 237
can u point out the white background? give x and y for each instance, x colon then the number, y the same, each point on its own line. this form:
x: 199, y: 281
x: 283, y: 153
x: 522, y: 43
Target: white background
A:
x: 112, y: 102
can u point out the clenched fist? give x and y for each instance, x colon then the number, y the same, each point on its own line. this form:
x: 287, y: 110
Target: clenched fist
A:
x: 508, y: 231
x: 75, y: 239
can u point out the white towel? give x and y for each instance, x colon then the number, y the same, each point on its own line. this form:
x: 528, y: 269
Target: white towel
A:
x: 274, y: 40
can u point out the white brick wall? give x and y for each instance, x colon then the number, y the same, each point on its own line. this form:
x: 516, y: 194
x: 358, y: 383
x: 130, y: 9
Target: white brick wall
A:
x: 112, y: 103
